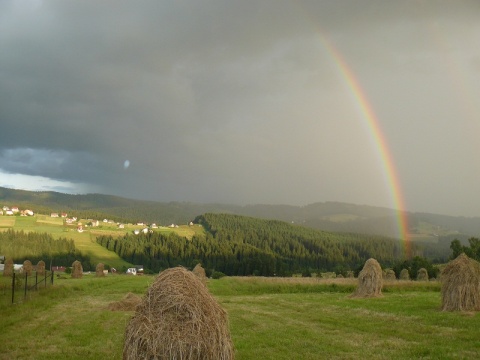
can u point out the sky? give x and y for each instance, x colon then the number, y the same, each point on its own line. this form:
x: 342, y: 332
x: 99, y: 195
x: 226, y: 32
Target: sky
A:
x: 244, y: 102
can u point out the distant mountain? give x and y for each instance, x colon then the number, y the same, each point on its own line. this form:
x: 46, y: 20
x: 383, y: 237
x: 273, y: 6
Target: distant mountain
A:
x: 328, y: 216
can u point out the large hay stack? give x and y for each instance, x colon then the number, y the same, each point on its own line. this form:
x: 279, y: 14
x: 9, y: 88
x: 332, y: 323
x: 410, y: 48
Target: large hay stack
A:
x: 370, y: 280
x: 27, y: 267
x: 404, y: 274
x: 200, y: 272
x: 41, y: 267
x: 99, y: 270
x: 8, y: 267
x: 422, y: 274
x: 461, y: 285
x: 77, y: 270
x: 178, y: 319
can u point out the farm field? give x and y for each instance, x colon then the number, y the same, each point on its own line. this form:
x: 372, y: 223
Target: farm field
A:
x: 86, y: 241
x: 270, y: 318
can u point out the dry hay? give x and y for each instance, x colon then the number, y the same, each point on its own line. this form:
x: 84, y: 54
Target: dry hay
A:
x: 370, y: 280
x: 404, y: 274
x: 128, y: 303
x: 461, y: 285
x: 99, y: 270
x: 350, y: 274
x: 200, y: 272
x: 27, y: 267
x: 77, y: 270
x: 41, y: 267
x: 8, y: 267
x: 422, y: 274
x: 178, y: 319
x: 390, y: 275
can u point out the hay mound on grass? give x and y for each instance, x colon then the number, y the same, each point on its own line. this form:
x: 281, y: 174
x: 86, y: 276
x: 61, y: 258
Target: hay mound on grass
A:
x: 200, y: 272
x: 128, y: 303
x: 390, y: 275
x: 77, y: 270
x: 41, y: 267
x: 461, y: 285
x: 27, y: 267
x: 370, y: 280
x: 99, y: 270
x: 404, y: 274
x: 8, y: 267
x: 422, y: 274
x: 178, y: 319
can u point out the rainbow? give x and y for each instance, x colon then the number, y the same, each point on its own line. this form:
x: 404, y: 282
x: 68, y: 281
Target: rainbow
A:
x: 378, y: 137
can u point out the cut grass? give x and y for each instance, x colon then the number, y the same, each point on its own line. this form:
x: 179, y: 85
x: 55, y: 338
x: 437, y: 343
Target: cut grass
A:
x: 269, y: 319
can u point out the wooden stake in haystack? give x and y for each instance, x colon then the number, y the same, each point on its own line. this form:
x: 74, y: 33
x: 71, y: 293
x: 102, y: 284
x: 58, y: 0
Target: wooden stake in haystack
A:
x: 461, y: 285
x: 27, y: 267
x: 422, y: 274
x: 404, y: 274
x: 77, y: 270
x: 41, y: 267
x: 178, y: 319
x: 370, y: 280
x: 8, y: 267
x: 99, y: 270
x: 200, y: 272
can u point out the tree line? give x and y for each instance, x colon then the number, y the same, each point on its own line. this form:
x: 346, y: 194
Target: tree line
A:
x: 33, y: 246
x: 239, y: 245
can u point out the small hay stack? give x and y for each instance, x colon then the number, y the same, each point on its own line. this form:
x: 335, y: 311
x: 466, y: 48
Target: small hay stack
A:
x: 99, y: 270
x: 350, y: 274
x: 422, y: 274
x: 178, y: 319
x: 200, y: 272
x: 41, y: 267
x: 128, y: 303
x: 27, y: 267
x: 390, y: 275
x: 8, y: 267
x: 404, y: 274
x: 370, y: 280
x: 461, y: 285
x: 77, y: 270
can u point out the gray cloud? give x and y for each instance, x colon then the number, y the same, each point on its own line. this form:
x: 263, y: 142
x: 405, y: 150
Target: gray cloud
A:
x: 241, y: 101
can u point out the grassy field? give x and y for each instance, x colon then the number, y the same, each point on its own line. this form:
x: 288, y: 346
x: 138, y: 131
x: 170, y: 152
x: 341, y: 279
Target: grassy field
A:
x: 295, y: 318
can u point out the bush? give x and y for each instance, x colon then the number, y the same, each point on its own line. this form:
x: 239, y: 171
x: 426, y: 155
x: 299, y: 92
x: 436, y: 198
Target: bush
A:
x: 217, y: 275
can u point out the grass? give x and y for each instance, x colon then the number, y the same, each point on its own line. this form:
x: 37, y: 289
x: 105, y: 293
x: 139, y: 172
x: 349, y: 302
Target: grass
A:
x: 269, y: 319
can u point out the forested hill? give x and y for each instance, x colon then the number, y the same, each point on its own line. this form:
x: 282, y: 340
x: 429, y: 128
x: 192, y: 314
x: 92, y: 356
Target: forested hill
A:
x: 238, y: 245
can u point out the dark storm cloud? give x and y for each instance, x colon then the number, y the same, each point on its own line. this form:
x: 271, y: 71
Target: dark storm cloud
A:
x: 239, y: 101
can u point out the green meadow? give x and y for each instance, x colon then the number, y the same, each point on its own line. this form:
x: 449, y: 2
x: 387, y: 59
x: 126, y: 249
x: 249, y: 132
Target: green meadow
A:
x: 270, y: 318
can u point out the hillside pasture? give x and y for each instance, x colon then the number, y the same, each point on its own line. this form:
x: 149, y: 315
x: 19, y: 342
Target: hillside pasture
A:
x: 7, y: 221
x: 301, y: 318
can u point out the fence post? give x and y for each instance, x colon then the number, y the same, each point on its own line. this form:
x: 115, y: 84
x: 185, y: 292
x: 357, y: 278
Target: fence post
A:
x: 26, y: 280
x: 52, y: 277
x: 13, y: 286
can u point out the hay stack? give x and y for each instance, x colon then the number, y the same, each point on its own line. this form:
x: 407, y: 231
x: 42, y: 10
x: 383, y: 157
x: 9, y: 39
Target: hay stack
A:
x: 404, y: 274
x: 77, y: 270
x: 178, y: 319
x: 27, y: 267
x: 422, y: 274
x: 99, y: 270
x: 200, y: 272
x: 128, y: 303
x: 350, y: 274
x: 41, y: 267
x: 461, y: 285
x: 370, y: 280
x: 8, y: 267
x: 390, y: 275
